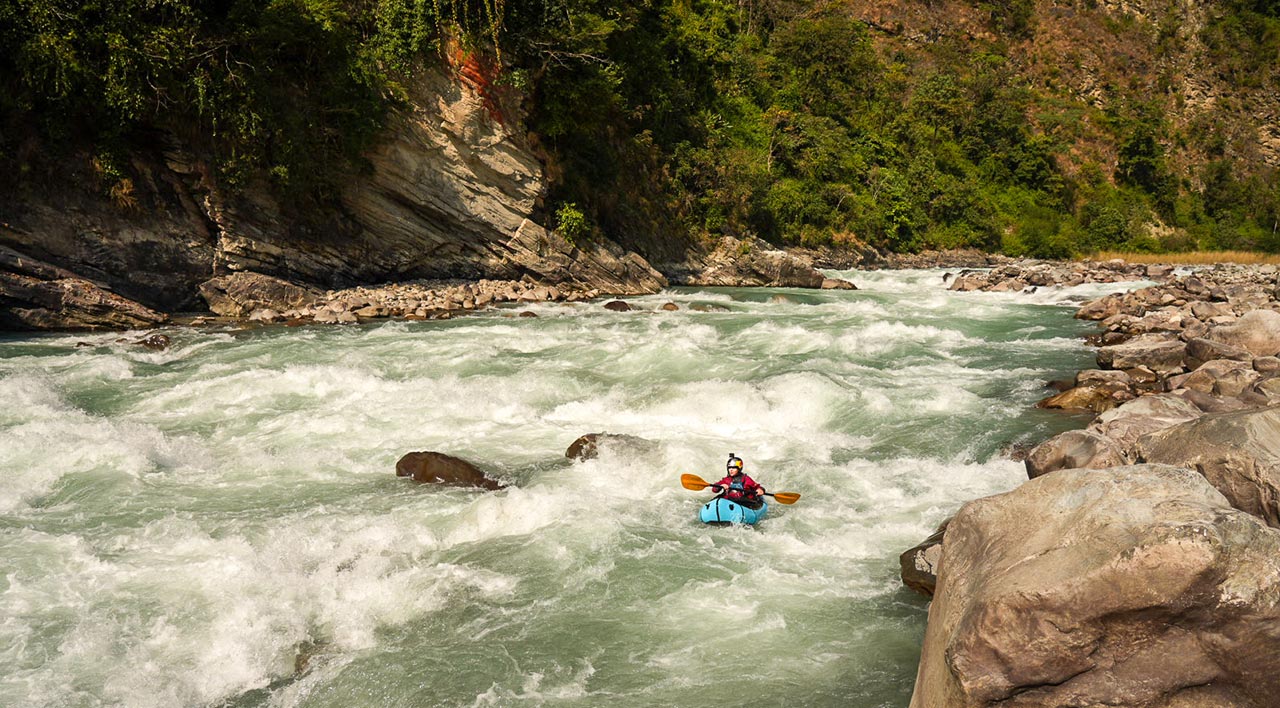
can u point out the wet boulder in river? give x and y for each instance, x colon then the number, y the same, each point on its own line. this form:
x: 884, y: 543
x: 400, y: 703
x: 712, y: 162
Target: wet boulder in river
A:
x: 439, y: 468
x: 588, y: 446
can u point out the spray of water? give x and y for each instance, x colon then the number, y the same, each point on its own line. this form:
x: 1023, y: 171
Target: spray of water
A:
x: 219, y: 523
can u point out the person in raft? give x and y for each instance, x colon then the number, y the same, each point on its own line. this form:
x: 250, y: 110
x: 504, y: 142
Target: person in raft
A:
x: 737, y: 486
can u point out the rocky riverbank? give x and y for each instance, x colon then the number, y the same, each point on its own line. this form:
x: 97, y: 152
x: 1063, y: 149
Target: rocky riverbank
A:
x: 452, y: 197
x: 1138, y: 567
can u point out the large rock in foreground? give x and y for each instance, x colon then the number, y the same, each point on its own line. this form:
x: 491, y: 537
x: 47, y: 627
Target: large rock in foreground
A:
x: 439, y: 468
x: 1135, y: 586
x: 1238, y: 452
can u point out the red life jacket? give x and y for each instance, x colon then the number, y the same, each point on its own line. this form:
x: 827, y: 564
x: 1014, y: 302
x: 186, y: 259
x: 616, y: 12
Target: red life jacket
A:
x: 739, y: 487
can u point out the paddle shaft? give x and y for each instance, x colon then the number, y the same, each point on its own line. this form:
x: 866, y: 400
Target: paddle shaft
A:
x: 696, y: 483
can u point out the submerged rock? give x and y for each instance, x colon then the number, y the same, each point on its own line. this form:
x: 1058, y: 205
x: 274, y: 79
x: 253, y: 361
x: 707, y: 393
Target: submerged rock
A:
x: 439, y: 468
x: 588, y: 446
x: 156, y: 342
x: 1133, y: 586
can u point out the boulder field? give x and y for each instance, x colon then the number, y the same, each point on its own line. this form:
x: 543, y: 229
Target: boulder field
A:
x: 1138, y: 566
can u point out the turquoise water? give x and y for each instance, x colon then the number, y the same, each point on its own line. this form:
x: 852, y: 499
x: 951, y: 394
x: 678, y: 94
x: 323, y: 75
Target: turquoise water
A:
x: 220, y: 523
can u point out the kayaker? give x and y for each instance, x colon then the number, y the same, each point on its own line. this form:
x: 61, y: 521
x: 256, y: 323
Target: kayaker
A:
x: 736, y: 484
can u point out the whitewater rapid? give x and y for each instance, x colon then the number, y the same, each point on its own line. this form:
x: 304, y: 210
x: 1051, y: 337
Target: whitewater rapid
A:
x: 220, y: 523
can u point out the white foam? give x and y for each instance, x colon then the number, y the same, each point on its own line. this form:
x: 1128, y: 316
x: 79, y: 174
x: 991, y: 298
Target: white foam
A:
x: 190, y: 520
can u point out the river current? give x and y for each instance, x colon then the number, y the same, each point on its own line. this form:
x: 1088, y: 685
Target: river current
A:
x: 219, y: 524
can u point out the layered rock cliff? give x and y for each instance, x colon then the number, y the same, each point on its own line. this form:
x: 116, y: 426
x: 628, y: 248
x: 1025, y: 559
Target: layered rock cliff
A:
x: 453, y: 190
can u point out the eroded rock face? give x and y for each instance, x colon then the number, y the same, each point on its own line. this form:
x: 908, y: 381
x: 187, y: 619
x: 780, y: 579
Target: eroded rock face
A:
x: 1238, y: 452
x: 451, y: 192
x: 40, y: 296
x: 439, y: 468
x: 1135, y: 586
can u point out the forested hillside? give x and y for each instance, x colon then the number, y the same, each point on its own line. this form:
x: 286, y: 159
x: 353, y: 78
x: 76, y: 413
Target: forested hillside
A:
x: 1030, y: 126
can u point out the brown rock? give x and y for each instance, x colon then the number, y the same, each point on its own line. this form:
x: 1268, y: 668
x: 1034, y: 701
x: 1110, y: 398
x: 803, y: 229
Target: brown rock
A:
x: 1147, y: 414
x: 1091, y: 397
x: 1074, y: 449
x: 1142, y: 375
x: 919, y: 565
x: 156, y: 342
x: 587, y: 447
x: 1100, y: 376
x: 1136, y: 586
x: 1257, y: 331
x: 1159, y: 352
x: 837, y: 284
x: 1238, y: 452
x: 527, y: 313
x: 439, y: 468
x: 1200, y: 350
x: 1208, y: 402
x: 1218, y: 374
x: 670, y: 307
x: 1266, y: 364
x: 617, y: 306
x: 1100, y: 309
x: 239, y: 294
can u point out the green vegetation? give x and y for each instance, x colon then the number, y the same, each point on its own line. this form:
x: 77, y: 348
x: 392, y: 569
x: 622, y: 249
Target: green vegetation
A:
x: 571, y: 223
x: 779, y: 118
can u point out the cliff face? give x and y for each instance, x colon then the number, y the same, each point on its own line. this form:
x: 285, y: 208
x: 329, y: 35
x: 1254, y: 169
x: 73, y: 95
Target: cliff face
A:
x: 451, y: 191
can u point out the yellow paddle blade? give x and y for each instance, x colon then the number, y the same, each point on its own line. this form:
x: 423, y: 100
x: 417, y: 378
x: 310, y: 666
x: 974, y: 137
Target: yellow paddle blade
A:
x: 786, y: 497
x: 693, y: 481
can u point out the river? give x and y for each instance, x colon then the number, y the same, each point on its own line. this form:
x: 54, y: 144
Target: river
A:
x: 219, y: 524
